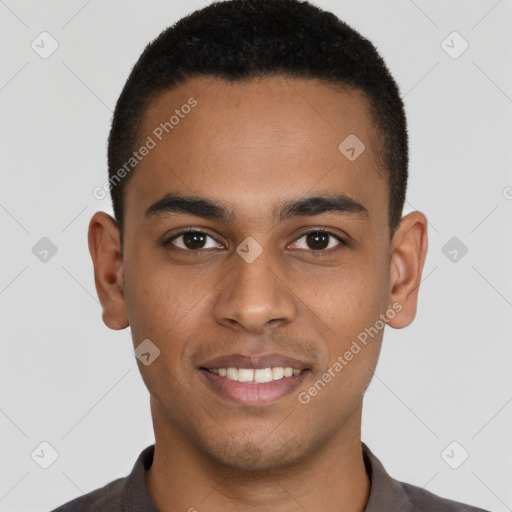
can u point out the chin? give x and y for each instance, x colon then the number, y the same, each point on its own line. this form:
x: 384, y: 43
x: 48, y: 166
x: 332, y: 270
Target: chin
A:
x: 255, y: 455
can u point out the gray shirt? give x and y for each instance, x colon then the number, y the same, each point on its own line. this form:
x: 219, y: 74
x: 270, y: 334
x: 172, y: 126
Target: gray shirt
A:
x: 129, y: 494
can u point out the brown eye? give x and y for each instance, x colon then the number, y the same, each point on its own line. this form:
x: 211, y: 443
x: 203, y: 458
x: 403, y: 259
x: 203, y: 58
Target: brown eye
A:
x: 319, y: 240
x: 193, y: 241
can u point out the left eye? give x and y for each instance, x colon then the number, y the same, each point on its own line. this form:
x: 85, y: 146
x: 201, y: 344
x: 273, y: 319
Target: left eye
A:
x: 318, y: 240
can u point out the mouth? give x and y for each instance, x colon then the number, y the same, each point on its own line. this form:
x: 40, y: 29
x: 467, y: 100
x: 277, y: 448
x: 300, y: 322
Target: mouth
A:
x: 254, y: 380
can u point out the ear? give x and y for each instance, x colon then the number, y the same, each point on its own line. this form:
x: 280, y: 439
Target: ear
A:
x: 105, y: 248
x: 408, y: 253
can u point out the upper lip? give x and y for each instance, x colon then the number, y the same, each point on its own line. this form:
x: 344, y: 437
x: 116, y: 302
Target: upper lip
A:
x: 253, y: 361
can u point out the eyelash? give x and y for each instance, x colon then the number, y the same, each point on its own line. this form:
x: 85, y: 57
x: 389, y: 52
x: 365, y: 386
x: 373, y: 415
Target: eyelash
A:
x: 316, y: 253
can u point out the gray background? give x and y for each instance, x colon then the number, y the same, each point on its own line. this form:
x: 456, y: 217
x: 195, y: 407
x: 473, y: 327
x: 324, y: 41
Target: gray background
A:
x: 68, y: 380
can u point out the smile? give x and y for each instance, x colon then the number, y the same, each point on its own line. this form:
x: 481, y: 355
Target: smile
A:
x: 253, y: 386
x: 256, y: 375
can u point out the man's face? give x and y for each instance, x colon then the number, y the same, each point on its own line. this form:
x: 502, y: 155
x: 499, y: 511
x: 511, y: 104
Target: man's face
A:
x: 252, y: 147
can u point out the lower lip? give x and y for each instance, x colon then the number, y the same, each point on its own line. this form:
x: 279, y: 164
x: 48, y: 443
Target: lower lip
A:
x: 248, y: 393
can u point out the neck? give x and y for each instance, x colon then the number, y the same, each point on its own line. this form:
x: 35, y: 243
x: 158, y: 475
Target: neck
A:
x: 182, y: 478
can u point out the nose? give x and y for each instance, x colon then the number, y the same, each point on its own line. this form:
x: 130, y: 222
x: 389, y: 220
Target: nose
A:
x: 255, y: 295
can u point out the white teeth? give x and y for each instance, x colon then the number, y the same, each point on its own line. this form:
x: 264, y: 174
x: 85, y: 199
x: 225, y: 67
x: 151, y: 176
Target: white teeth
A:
x: 263, y: 375
x: 259, y: 375
x: 232, y: 373
x: 245, y: 375
x: 277, y: 373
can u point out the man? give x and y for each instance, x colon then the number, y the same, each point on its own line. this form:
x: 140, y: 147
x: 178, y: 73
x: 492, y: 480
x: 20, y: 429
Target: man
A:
x: 258, y: 169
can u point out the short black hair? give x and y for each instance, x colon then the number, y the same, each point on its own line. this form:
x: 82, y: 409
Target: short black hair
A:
x: 237, y: 40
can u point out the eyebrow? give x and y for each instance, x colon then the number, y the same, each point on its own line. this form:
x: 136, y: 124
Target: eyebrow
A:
x: 212, y: 209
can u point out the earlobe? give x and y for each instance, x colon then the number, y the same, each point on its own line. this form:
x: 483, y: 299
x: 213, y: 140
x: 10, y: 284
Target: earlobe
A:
x: 105, y: 249
x: 408, y: 253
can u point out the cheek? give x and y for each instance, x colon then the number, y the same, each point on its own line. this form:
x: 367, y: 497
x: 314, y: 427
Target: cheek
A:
x: 348, y: 298
x: 167, y: 305
x: 347, y: 319
x: 164, y: 310
x: 156, y: 295
x: 346, y: 307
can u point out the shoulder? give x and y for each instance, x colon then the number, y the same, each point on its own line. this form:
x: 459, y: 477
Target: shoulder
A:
x: 106, y: 498
x: 126, y: 493
x: 425, y: 501
x: 390, y: 495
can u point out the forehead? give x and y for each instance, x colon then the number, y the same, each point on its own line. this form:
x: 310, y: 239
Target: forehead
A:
x: 257, y: 141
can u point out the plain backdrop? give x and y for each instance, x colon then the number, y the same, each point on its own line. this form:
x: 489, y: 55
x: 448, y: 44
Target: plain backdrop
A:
x: 443, y: 386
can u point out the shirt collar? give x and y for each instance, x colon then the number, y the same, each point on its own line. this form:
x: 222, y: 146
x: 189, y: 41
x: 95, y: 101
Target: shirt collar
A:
x: 386, y: 493
x: 136, y: 496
